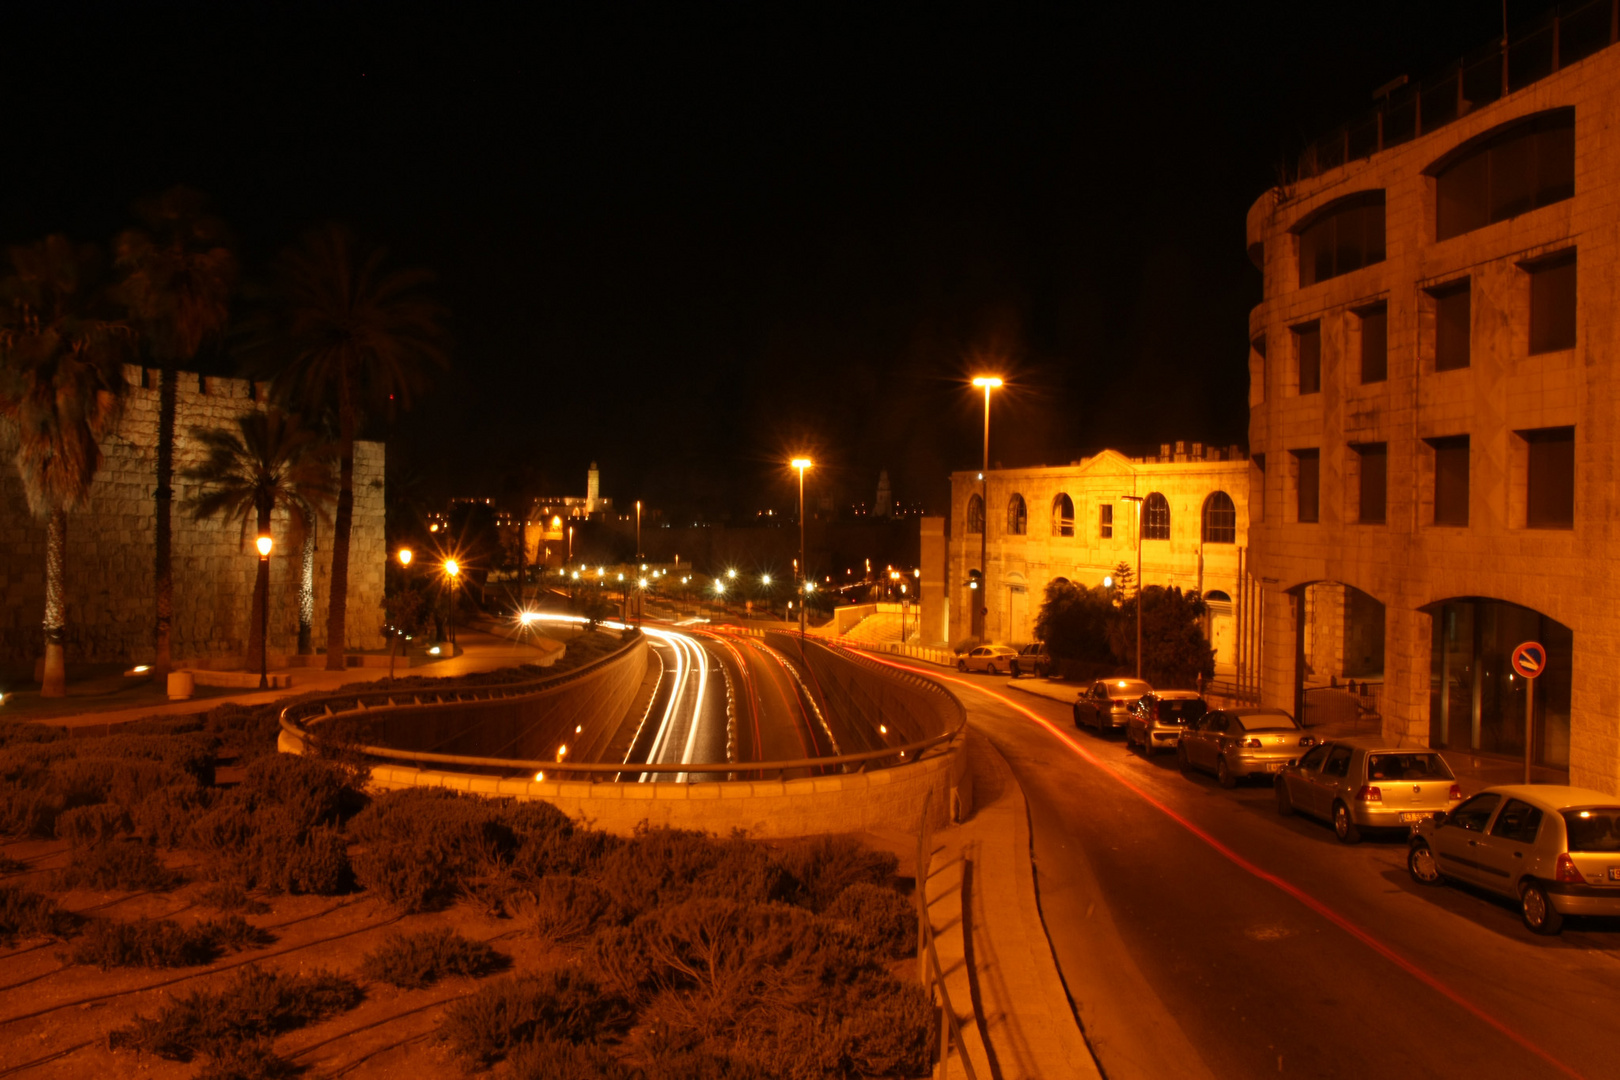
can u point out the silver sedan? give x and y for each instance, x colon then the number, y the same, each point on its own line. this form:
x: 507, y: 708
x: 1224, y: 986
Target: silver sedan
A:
x: 1236, y: 743
x: 1362, y: 784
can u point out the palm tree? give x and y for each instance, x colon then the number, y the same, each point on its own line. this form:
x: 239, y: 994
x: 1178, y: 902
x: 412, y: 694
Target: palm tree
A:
x: 360, y: 336
x: 61, y: 387
x: 267, y: 462
x: 177, y: 285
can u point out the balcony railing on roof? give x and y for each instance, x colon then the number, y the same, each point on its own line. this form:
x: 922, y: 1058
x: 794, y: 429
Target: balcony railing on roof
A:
x: 1560, y: 37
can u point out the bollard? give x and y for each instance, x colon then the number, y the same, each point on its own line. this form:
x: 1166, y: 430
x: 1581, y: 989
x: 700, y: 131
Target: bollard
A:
x: 181, y: 685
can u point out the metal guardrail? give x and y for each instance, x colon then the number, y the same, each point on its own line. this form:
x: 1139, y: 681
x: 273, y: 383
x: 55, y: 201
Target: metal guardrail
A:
x: 933, y: 976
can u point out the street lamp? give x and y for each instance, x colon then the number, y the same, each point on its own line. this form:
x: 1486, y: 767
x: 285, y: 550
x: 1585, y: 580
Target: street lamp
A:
x: 987, y: 383
x: 453, y: 570
x: 264, y: 545
x: 801, y: 464
x: 638, y: 530
x: 1137, y: 499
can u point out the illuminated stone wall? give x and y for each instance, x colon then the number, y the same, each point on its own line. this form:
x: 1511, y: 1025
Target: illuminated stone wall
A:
x: 111, y: 548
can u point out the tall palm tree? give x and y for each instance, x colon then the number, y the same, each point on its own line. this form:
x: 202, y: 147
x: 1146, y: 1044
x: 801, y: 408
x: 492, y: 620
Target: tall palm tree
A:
x: 360, y: 336
x: 267, y: 461
x: 178, y: 276
x: 61, y: 387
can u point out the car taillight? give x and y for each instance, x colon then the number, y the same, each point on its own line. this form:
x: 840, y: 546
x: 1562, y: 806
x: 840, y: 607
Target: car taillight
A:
x: 1567, y: 872
x: 1120, y: 702
x: 1455, y: 794
x: 1307, y: 740
x: 1250, y: 744
x: 1368, y: 793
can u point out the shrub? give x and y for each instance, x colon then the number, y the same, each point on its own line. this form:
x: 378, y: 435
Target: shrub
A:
x: 822, y: 867
x: 414, y: 961
x: 254, y: 1060
x: 550, y: 1059
x: 255, y: 1005
x: 667, y: 866
x: 163, y: 943
x: 877, y: 919
x: 562, y: 1005
x: 166, y: 817
x: 567, y: 908
x: 887, y: 1031
x: 85, y: 826
x: 419, y: 845
x: 308, y: 790
x: 121, y: 864
x: 268, y: 849
x: 28, y: 733
x: 250, y: 730
x: 28, y: 914
x: 8, y: 865
x: 231, y: 896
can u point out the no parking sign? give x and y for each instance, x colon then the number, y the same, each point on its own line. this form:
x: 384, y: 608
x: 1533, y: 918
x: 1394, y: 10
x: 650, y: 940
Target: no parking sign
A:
x: 1530, y: 661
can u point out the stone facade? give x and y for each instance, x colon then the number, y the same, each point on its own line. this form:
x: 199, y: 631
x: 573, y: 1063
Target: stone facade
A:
x: 1414, y: 575
x: 1021, y: 566
x: 111, y: 549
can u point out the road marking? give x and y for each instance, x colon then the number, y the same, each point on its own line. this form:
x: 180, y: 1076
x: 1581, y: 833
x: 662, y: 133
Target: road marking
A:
x: 1311, y: 902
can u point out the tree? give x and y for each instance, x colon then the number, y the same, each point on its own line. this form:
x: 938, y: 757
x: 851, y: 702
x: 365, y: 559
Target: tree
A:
x: 359, y: 336
x: 61, y: 388
x: 178, y: 274
x: 1174, y: 650
x: 407, y: 612
x: 267, y: 462
x: 1073, y: 622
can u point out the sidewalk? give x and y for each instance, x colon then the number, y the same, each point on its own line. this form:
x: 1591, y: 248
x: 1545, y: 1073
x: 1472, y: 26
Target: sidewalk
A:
x: 992, y: 942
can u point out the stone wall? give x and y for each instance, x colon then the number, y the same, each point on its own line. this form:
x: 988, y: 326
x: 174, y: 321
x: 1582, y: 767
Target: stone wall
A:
x: 111, y: 547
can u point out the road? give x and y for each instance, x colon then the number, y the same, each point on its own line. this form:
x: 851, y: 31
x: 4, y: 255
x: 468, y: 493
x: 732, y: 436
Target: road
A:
x: 1203, y: 935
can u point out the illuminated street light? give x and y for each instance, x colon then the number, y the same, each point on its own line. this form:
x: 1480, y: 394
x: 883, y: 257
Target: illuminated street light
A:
x: 1137, y: 499
x: 719, y: 587
x: 264, y: 545
x: 801, y: 464
x: 405, y: 557
x: 452, y: 570
x: 987, y: 383
x: 732, y: 574
x: 765, y: 579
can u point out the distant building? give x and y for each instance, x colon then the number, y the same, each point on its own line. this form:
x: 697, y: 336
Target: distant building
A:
x: 1075, y: 523
x: 1433, y: 401
x: 885, y: 500
x: 551, y: 522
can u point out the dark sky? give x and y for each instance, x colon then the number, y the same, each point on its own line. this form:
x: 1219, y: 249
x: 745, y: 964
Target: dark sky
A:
x: 687, y: 240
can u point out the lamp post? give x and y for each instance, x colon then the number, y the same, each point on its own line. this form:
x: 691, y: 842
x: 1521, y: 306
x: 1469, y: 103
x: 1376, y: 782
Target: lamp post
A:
x: 982, y: 605
x: 264, y: 545
x: 453, y: 570
x: 1137, y: 499
x: 638, y: 529
x: 801, y: 464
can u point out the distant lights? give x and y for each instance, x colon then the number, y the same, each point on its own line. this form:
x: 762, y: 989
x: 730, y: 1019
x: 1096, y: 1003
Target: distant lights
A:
x: 433, y: 651
x: 539, y: 777
x: 579, y: 729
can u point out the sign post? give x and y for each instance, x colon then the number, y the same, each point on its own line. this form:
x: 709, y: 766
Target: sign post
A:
x: 1529, y: 660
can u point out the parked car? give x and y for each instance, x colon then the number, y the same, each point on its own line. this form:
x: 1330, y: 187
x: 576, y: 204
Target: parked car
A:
x: 1033, y: 660
x: 1106, y: 704
x: 991, y: 659
x: 1237, y: 743
x: 1553, y: 849
x: 1159, y: 718
x: 1360, y: 784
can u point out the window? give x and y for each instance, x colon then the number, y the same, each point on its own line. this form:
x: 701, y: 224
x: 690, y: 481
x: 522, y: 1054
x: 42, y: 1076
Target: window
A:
x: 1257, y: 370
x: 1257, y: 487
x: 1105, y: 521
x: 1220, y: 519
x: 1518, y: 822
x: 1341, y: 237
x: 1313, y: 757
x: 1155, y: 517
x: 1062, y: 516
x: 1530, y: 163
x: 1308, y: 350
x: 1593, y: 830
x: 1476, y: 702
x: 1338, y: 762
x: 1373, y: 459
x: 1552, y: 303
x: 975, y: 516
x: 1550, y: 478
x: 1017, y: 516
x: 1309, y: 485
x: 1374, y: 343
x: 1450, y: 480
x: 1452, y: 325
x: 1475, y: 813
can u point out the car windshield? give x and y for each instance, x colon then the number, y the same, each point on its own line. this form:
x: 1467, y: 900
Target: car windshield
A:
x: 1594, y: 829
x: 1128, y: 688
x: 1268, y: 721
x: 1408, y: 767
x: 1181, y: 711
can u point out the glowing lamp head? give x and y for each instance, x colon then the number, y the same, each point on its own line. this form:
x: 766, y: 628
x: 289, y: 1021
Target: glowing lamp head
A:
x: 1108, y: 582
x: 986, y: 382
x: 719, y: 588
x: 452, y: 567
x: 405, y: 555
x: 765, y: 579
x: 433, y: 528
x: 809, y: 586
x: 732, y: 574
x: 802, y: 463
x: 527, y: 617
x: 642, y: 583
x: 265, y: 544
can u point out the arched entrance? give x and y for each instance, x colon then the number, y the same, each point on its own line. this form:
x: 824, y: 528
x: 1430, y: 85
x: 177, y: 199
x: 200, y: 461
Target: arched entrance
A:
x: 1220, y: 627
x: 1338, y: 642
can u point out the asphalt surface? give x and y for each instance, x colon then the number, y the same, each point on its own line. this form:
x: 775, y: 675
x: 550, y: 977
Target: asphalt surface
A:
x: 1201, y: 934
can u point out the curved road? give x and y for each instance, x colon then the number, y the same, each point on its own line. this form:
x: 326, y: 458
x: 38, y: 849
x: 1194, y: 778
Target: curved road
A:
x: 1202, y: 935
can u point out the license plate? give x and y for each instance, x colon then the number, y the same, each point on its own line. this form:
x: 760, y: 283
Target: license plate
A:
x: 1414, y: 817
x: 1614, y: 873
x: 1274, y: 766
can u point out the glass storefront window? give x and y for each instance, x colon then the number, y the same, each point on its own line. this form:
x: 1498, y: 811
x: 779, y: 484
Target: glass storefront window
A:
x: 1476, y: 700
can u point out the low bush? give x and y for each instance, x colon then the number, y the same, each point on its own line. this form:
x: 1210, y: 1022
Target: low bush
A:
x: 255, y: 1060
x: 165, y: 817
x: 231, y: 896
x: 8, y: 865
x: 249, y: 730
x: 551, y: 1059
x: 660, y: 867
x: 308, y: 790
x: 562, y: 1005
x: 822, y: 867
x: 163, y: 943
x: 256, y: 1005
x: 257, y: 843
x: 28, y: 914
x: 877, y: 919
x: 414, y: 961
x: 85, y: 826
x: 418, y: 846
x: 566, y: 908
x: 120, y: 864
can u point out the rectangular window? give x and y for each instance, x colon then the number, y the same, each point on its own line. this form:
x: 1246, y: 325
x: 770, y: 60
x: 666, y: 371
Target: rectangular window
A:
x: 1308, y: 464
x: 1550, y: 478
x: 1257, y: 488
x: 1374, y: 343
x: 1373, y: 459
x: 1105, y: 521
x: 1552, y: 304
x: 1452, y: 325
x: 1308, y: 348
x: 1450, y: 480
x: 1257, y: 370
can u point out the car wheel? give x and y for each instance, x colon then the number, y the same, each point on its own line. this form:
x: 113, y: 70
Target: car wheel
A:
x: 961, y: 665
x: 1223, y: 773
x: 1285, y: 803
x: 989, y: 669
x: 1012, y: 669
x: 1421, y: 864
x: 1344, y: 826
x: 1183, y: 760
x: 1077, y: 716
x: 1536, y: 907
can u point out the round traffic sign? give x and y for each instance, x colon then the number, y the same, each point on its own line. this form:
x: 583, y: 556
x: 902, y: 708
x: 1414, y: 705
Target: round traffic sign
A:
x: 1530, y: 659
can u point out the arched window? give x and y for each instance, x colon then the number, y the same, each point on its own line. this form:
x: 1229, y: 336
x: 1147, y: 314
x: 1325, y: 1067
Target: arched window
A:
x: 1017, y: 516
x: 1155, y: 517
x: 1514, y: 169
x: 1062, y: 516
x: 975, y: 516
x: 1343, y: 236
x: 1220, y: 519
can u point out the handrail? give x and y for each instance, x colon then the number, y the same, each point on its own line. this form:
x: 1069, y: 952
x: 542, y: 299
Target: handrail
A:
x: 950, y: 1030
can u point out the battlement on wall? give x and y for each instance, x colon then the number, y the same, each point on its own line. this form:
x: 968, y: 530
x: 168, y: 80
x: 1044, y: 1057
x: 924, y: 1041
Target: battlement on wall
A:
x: 194, y: 384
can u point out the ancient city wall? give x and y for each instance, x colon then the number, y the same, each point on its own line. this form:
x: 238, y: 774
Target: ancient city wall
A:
x: 111, y: 547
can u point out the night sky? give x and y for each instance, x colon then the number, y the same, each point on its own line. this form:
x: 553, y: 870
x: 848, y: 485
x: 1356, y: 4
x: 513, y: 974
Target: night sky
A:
x: 686, y: 240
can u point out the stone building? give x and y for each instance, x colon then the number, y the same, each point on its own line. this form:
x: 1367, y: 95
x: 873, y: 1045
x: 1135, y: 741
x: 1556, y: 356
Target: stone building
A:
x: 111, y: 548
x: 1433, y: 423
x: 1075, y: 522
